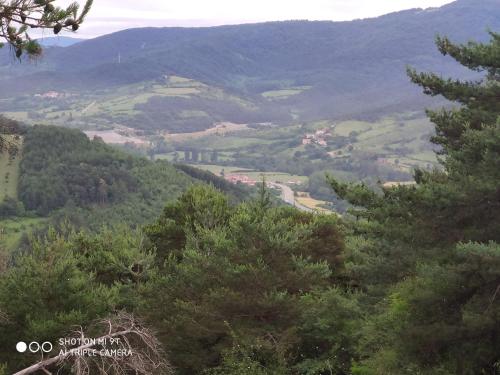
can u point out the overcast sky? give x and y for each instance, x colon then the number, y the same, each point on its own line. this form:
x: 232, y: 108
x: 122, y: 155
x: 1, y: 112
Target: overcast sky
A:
x: 111, y: 15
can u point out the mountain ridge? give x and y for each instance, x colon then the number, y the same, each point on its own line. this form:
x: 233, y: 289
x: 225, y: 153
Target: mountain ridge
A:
x: 352, y: 67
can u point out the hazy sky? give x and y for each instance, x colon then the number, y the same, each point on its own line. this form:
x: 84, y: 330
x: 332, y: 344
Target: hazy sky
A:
x: 111, y: 15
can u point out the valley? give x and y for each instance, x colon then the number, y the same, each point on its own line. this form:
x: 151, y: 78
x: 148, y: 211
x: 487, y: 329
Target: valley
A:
x: 242, y: 115
x: 185, y: 121
x: 210, y: 96
x: 299, y: 154
x: 276, y: 198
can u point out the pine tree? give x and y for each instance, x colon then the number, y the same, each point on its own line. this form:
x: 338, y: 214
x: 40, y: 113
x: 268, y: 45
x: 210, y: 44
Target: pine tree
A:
x: 250, y: 275
x: 480, y: 101
x: 438, y: 241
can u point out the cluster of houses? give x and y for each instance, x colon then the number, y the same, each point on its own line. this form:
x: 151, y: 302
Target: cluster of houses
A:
x: 50, y: 95
x: 319, y: 137
x: 239, y: 178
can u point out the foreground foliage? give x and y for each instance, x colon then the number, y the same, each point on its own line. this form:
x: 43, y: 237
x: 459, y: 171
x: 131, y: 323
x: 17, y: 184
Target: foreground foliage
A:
x: 214, y: 280
x: 62, y: 283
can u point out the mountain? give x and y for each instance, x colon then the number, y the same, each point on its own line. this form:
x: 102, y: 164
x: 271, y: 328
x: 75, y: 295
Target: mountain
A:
x: 333, y: 69
x: 59, y: 41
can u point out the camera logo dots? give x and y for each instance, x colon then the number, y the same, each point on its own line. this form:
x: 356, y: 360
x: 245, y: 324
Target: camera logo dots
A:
x: 34, y: 347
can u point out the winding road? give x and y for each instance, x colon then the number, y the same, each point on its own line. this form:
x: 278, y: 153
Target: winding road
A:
x: 288, y: 196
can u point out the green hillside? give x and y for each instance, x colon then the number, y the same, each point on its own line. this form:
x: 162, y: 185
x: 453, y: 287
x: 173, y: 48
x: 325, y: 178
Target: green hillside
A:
x: 171, y: 104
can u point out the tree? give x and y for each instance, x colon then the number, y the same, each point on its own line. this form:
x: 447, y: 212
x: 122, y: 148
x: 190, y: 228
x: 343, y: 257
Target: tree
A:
x: 18, y: 16
x: 250, y: 275
x: 9, y: 134
x: 434, y: 246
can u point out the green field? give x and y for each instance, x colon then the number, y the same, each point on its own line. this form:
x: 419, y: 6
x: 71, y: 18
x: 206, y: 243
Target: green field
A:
x: 107, y: 109
x: 285, y: 93
x: 345, y: 128
x: 255, y: 175
x: 9, y: 174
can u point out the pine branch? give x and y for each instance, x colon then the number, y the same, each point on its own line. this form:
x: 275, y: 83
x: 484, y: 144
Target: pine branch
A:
x: 36, y: 14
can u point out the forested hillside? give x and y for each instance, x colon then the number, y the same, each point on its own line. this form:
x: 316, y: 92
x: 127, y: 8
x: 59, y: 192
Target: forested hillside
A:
x: 63, y: 168
x: 61, y: 177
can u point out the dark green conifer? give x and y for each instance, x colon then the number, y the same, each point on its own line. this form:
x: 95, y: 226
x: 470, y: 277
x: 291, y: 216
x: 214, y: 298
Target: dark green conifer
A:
x: 429, y: 253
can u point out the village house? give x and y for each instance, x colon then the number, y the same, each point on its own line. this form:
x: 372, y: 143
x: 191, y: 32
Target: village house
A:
x: 319, y: 137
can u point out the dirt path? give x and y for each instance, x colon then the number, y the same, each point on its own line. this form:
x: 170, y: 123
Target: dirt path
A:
x: 88, y: 107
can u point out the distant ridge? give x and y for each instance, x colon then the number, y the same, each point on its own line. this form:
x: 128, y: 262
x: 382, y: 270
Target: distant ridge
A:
x: 59, y: 41
x: 351, y: 68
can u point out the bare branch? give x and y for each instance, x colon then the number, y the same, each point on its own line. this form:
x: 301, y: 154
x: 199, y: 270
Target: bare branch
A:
x: 142, y: 351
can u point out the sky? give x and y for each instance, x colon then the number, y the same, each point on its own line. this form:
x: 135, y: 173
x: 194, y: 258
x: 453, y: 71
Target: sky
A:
x: 108, y: 16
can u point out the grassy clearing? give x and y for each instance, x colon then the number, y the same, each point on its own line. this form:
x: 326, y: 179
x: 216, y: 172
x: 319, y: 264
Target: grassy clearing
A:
x: 18, y: 116
x: 284, y: 93
x: 426, y: 156
x: 126, y: 104
x: 11, y: 230
x: 345, y: 128
x: 220, y: 130
x: 313, y: 204
x: 393, y: 139
x: 177, y: 81
x: 9, y: 175
x: 217, y: 169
